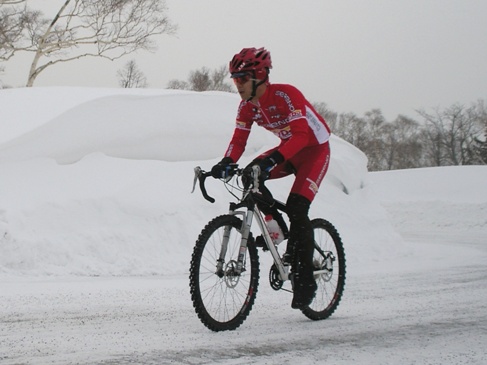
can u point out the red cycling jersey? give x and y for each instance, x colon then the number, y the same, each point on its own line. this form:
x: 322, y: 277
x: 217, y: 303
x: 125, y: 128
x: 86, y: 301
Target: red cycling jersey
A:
x: 283, y: 110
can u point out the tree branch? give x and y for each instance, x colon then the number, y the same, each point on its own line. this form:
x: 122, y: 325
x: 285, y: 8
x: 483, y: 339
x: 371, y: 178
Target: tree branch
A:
x: 112, y: 29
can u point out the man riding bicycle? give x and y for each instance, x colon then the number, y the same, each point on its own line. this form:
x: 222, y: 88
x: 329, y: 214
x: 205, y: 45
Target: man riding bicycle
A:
x: 304, y: 151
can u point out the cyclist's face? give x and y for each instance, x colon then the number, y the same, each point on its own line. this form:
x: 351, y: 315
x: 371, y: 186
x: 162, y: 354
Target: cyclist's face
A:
x: 244, y: 88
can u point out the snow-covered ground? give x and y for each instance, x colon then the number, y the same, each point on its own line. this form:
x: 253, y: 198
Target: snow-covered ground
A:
x: 97, y: 225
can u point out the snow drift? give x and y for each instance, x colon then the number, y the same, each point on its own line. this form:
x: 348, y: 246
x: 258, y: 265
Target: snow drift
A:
x: 97, y: 182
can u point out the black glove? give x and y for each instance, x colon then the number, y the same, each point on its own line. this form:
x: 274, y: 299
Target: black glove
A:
x: 222, y: 169
x: 266, y: 164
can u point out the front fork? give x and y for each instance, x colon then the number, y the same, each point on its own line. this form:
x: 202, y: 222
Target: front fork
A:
x: 239, y: 266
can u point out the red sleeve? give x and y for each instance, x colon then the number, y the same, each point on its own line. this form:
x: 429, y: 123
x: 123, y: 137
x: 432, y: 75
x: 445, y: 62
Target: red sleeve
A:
x: 239, y: 140
x: 241, y: 133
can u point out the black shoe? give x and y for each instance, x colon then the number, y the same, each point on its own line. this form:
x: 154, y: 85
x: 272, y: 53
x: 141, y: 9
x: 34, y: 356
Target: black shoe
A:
x: 304, y: 293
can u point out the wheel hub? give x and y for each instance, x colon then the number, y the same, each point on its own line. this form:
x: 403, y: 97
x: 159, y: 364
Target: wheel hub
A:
x: 326, y: 266
x: 231, y: 276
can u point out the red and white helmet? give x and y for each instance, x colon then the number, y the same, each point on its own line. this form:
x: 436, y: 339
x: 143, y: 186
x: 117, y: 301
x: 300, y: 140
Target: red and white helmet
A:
x: 257, y: 60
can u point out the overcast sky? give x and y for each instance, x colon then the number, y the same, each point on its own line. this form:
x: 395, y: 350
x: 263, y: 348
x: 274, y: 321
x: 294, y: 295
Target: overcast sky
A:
x: 354, y: 55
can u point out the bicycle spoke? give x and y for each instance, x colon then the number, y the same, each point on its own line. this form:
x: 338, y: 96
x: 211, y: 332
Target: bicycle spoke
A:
x: 221, y: 298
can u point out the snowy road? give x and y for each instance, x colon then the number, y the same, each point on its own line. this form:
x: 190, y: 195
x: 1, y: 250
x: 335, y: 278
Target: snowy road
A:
x: 432, y: 314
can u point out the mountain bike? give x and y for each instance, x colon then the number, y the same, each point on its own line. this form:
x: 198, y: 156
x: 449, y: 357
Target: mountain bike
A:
x: 224, y: 270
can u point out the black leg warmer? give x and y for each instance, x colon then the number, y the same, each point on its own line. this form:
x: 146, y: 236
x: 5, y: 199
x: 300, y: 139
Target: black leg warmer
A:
x: 301, y: 232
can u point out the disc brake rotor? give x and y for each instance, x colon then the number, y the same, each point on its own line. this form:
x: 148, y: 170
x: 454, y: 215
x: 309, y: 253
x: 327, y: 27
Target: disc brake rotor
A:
x: 231, y: 277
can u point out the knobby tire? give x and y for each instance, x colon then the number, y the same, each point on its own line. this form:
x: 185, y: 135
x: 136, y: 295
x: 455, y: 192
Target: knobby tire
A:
x: 223, y: 302
x: 330, y: 288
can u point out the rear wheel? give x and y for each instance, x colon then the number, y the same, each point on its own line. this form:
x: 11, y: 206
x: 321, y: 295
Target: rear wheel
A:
x: 221, y: 296
x: 329, y: 266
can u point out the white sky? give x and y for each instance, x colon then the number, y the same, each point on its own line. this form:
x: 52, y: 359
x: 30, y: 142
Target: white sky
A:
x: 394, y: 55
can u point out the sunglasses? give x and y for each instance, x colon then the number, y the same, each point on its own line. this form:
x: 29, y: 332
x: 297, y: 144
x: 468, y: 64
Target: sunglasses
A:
x: 241, y: 77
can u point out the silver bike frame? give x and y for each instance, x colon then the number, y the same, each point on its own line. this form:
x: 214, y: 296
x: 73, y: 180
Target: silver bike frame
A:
x: 283, y: 269
x: 247, y: 218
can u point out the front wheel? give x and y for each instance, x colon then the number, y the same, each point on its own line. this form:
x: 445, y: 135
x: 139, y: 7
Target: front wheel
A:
x: 329, y: 267
x: 222, y: 295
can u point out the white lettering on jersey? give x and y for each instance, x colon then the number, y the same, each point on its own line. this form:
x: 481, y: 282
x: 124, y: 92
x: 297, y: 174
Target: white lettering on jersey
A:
x: 287, y: 99
x: 318, y: 128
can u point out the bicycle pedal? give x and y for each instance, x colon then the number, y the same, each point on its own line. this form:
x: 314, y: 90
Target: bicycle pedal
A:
x: 287, y: 259
x: 260, y: 242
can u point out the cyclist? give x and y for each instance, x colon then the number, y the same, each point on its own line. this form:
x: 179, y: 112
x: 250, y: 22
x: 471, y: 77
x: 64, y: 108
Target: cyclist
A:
x: 304, y: 151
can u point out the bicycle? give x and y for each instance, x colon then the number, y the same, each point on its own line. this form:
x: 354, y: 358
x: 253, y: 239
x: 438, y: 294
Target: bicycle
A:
x: 224, y: 270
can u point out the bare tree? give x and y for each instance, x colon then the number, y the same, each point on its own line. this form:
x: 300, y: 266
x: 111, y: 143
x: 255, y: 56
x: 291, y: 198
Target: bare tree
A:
x: 218, y: 77
x: 200, y: 80
x: 453, y: 136
x: 131, y: 76
x: 403, y: 149
x: 178, y: 85
x: 352, y: 129
x: 480, y: 143
x: 452, y: 133
x: 13, y: 22
x: 375, y: 143
x: 204, y: 79
x: 481, y: 148
x: 387, y: 145
x: 432, y: 140
x: 91, y: 28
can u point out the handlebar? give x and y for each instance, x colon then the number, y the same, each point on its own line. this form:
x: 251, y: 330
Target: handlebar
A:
x: 201, y: 175
x: 250, y: 179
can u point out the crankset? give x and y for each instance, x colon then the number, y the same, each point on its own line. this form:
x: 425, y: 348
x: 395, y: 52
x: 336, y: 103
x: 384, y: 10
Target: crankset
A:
x: 275, y: 278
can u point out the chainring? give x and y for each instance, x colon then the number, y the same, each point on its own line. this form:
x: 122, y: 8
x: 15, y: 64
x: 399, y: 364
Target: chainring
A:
x: 274, y: 278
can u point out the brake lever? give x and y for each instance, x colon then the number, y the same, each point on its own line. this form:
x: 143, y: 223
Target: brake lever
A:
x: 200, y: 175
x: 197, y: 173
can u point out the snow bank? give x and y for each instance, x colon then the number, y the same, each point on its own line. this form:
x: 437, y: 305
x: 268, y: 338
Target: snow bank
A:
x: 97, y: 182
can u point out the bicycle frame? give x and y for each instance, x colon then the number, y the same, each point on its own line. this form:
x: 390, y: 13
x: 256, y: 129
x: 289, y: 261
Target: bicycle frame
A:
x: 248, y: 216
x: 248, y: 201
